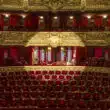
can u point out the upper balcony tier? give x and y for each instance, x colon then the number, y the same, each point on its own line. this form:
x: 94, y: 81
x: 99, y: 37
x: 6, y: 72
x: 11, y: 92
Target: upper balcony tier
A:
x: 60, y: 21
x: 55, y: 5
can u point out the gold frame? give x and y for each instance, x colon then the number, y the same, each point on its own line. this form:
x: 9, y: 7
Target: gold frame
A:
x: 54, y: 5
x: 54, y: 39
x: 54, y: 68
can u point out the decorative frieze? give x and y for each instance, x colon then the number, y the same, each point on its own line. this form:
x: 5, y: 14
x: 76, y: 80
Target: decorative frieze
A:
x: 54, y: 68
x: 55, y: 39
x: 55, y: 5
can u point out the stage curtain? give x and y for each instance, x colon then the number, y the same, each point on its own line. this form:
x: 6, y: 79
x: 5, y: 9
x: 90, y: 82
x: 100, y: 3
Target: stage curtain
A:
x: 14, y: 20
x: 98, y: 52
x: 31, y: 21
x: 108, y: 21
x: 29, y: 54
x: 14, y: 53
x: 84, y: 21
x: 1, y: 56
x: 74, y: 22
x: 98, y: 20
x: 1, y: 22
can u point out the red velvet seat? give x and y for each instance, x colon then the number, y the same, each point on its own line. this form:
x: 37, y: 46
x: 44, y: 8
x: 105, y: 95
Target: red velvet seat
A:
x: 58, y: 72
x: 61, y: 103
x: 64, y: 72
x: 51, y: 72
x: 44, y: 72
x: 52, y: 103
x: 42, y: 103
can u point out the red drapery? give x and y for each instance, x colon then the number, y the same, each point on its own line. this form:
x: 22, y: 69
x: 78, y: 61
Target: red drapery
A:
x: 1, y: 56
x: 14, y: 20
x: 84, y: 21
x: 14, y: 53
x: 31, y: 21
x: 98, y: 52
x: 74, y: 22
x: 108, y: 21
x: 98, y: 21
x: 1, y: 22
x: 29, y: 52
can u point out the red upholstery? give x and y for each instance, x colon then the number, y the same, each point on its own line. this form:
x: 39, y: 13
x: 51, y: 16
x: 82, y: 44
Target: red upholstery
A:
x: 59, y: 89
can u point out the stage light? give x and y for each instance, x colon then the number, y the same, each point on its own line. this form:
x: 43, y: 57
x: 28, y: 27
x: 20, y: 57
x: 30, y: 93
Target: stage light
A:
x: 7, y: 15
x: 55, y: 17
x: 71, y: 17
x: 104, y: 16
x: 41, y: 17
x: 62, y: 48
x: 89, y: 16
x: 23, y: 16
x: 49, y: 48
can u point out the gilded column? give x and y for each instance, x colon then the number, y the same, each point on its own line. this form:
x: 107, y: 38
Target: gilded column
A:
x: 83, y: 5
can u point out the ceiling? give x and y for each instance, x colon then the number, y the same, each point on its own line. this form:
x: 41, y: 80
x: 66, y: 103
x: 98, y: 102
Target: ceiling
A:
x: 54, y: 5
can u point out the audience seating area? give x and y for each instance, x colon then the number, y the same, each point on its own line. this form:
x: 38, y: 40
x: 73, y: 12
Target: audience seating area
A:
x: 41, y: 90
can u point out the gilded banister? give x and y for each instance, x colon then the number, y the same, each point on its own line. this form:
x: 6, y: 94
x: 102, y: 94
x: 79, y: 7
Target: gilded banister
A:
x: 54, y: 68
x: 55, y: 39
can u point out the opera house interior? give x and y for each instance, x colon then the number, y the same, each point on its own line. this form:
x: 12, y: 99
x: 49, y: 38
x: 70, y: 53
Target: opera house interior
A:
x: 54, y: 54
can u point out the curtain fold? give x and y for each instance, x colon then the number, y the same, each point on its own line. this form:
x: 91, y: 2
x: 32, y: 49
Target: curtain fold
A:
x: 1, y: 22
x: 31, y: 21
x: 84, y: 21
x: 74, y: 22
x: 1, y: 56
x: 14, y: 53
x: 98, y: 52
x: 108, y: 21
x: 14, y: 20
x: 98, y: 20
x: 30, y: 51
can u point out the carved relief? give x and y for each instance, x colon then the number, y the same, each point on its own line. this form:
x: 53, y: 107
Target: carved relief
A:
x: 55, y: 39
x: 12, y: 2
x: 55, y: 4
x: 55, y: 68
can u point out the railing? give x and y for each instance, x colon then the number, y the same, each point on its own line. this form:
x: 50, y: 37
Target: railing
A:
x: 54, y: 68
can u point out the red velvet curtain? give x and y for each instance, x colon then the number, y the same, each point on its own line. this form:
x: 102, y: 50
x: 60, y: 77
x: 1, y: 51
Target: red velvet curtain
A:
x: 74, y: 22
x: 31, y: 21
x: 1, y: 22
x: 98, y: 52
x: 84, y: 21
x: 14, y: 20
x: 108, y: 22
x: 1, y: 56
x: 29, y: 54
x: 98, y: 20
x: 14, y: 53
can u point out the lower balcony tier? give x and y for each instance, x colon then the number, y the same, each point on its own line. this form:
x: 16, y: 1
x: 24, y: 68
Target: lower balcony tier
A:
x: 58, y: 70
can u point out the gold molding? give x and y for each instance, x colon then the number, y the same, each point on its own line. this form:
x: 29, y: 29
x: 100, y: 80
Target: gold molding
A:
x: 55, y: 5
x: 54, y: 68
x: 55, y: 39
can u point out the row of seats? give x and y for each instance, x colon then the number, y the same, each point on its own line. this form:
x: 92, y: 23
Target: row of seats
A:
x: 54, y: 89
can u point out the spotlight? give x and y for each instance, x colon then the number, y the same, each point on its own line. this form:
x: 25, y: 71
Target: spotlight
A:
x: 7, y: 15
x: 55, y: 17
x: 23, y: 16
x: 104, y: 16
x: 71, y: 17
x: 41, y: 17
x: 89, y: 16
x: 49, y: 48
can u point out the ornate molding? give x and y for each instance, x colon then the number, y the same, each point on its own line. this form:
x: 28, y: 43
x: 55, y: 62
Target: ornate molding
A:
x: 55, y: 39
x: 54, y: 68
x: 55, y: 5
